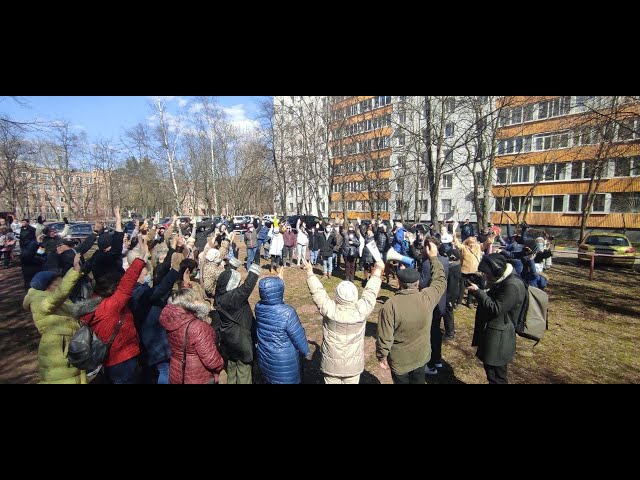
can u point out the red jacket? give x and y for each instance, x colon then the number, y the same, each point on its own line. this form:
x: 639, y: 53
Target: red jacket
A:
x: 290, y: 239
x: 203, y: 359
x: 106, y: 317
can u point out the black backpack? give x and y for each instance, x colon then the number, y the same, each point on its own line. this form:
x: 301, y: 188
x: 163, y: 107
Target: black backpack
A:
x: 86, y: 351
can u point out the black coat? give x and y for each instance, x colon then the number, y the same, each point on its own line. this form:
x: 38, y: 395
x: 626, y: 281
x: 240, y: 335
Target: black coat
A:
x: 30, y: 261
x: 367, y: 257
x: 238, y: 335
x: 314, y: 241
x: 382, y: 241
x: 104, y: 262
x: 453, y: 282
x: 26, y: 235
x: 326, y: 245
x: 353, y: 249
x: 498, y: 311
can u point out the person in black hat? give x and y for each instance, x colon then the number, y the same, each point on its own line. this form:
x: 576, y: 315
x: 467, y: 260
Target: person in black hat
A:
x: 404, y: 339
x: 108, y: 258
x: 498, y: 312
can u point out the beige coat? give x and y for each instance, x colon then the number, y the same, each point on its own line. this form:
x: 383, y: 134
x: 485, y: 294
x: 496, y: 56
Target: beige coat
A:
x: 343, y: 328
x: 469, y: 257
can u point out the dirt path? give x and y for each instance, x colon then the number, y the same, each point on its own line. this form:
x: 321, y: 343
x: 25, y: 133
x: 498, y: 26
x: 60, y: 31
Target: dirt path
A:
x: 19, y: 337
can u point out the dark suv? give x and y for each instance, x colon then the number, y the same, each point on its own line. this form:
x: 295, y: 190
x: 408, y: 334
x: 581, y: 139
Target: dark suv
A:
x: 79, y: 232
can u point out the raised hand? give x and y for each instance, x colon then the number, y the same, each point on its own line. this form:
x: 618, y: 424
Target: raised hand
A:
x: 77, y: 260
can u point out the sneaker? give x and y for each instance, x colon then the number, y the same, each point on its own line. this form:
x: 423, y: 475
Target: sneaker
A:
x: 446, y: 338
x: 439, y: 365
x: 430, y: 371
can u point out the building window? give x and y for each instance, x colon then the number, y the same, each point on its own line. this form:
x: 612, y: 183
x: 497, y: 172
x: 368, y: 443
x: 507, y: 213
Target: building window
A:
x: 622, y: 167
x: 399, y: 184
x: 599, y: 203
x: 423, y: 205
x: 450, y: 105
x: 520, y: 174
x: 575, y: 202
x: 449, y: 129
x: 401, y: 140
x: 576, y: 170
x: 446, y: 206
x: 448, y: 157
x: 501, y: 175
x: 402, y: 117
x: 291, y: 206
x: 625, y: 202
x: 447, y: 181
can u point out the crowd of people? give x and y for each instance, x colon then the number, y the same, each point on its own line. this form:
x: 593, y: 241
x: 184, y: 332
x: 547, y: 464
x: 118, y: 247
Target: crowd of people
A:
x: 173, y: 306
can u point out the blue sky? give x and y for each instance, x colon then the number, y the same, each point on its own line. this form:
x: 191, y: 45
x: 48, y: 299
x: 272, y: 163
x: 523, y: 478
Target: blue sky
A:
x: 107, y: 116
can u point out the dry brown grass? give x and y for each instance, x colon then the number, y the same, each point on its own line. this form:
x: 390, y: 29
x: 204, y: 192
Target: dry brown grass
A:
x: 593, y: 335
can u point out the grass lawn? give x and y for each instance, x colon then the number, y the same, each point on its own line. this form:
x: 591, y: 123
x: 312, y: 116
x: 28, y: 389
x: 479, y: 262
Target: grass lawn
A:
x: 593, y: 336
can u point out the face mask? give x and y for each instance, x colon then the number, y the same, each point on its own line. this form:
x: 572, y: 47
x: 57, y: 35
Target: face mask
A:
x: 41, y: 251
x: 147, y: 279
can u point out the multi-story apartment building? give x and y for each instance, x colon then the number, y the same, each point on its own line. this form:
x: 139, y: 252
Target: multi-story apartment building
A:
x: 377, y: 155
x: 557, y: 153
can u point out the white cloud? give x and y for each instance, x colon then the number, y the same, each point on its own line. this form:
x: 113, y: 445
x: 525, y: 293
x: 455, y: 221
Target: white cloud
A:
x: 238, y: 117
x: 182, y: 102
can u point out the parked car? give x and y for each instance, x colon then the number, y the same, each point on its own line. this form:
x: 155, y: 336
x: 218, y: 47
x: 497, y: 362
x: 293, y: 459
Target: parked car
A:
x: 239, y: 224
x: 165, y: 222
x: 420, y: 227
x: 206, y: 223
x: 78, y: 232
x: 267, y: 218
x: 57, y: 226
x: 129, y: 227
x: 608, y: 244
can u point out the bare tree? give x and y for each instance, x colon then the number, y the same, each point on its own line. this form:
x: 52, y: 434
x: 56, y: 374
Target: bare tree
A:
x: 167, y: 134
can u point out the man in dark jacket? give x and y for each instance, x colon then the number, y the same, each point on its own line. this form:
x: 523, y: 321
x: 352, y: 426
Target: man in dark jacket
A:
x: 108, y: 258
x: 327, y: 243
x: 27, y: 232
x: 454, y: 284
x: 30, y: 260
x: 251, y: 241
x: 350, y: 252
x: 382, y: 240
x: 498, y: 311
x: 146, y: 304
x: 237, y: 322
x: 290, y: 240
x: 466, y: 230
x: 438, y: 313
x: 337, y: 248
x: 263, y: 233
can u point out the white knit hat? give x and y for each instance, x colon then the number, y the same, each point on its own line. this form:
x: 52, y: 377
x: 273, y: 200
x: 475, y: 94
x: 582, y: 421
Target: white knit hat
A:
x: 346, y: 293
x: 213, y: 255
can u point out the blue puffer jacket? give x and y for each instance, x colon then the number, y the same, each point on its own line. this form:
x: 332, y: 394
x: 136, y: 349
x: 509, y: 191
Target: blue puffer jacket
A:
x: 399, y: 244
x: 263, y: 233
x: 281, y: 337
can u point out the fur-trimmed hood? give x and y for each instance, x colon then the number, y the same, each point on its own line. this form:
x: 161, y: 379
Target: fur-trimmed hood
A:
x: 85, y: 307
x: 177, y: 314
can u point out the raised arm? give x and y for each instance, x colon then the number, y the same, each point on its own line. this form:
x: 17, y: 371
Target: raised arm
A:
x: 320, y: 297
x: 367, y: 302
x: 121, y: 296
x: 438, y: 285
x: 62, y: 291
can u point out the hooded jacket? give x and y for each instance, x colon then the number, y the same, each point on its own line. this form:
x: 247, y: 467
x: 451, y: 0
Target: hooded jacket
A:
x: 203, y: 361
x: 52, y: 314
x: 103, y: 262
x: 237, y: 335
x: 281, y: 337
x: 344, y: 324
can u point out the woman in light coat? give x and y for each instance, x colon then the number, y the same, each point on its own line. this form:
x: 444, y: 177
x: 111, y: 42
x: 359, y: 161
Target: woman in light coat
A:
x: 344, y: 325
x: 303, y: 241
x: 277, y: 244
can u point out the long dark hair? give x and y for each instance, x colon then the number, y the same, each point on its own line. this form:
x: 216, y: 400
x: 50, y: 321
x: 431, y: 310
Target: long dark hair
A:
x: 107, y: 284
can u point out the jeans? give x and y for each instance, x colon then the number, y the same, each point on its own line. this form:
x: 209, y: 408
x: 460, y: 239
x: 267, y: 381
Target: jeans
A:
x: 327, y: 265
x: 260, y: 245
x: 449, y: 322
x: 251, y: 255
x: 496, y: 375
x: 414, y: 377
x: 287, y: 251
x: 163, y: 373
x: 314, y: 256
x: 302, y: 253
x: 436, y: 339
x: 7, y: 257
x: 336, y: 260
x: 122, y: 373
